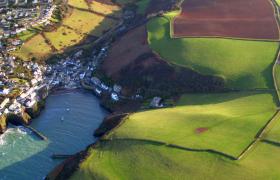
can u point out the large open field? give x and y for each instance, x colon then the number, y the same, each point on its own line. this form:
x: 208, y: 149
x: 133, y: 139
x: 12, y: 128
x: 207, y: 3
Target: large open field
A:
x: 224, y: 122
x: 35, y: 47
x: 203, y: 135
x: 243, y: 64
x: 143, y: 160
x: 63, y: 37
x: 226, y: 18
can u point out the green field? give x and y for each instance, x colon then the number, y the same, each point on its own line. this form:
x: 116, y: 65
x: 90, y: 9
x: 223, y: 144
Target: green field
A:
x: 274, y: 134
x: 78, y: 3
x: 278, y: 2
x: 105, y: 9
x: 143, y: 160
x: 243, y: 64
x: 232, y: 120
x: 63, y: 37
x: 35, y: 47
x: 191, y: 140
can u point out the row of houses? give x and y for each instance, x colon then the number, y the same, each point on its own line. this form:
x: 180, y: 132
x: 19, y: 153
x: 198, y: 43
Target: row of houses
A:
x: 6, y: 3
x: 20, y: 89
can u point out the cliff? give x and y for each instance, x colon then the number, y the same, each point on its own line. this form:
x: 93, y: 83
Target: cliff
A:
x: 3, y: 123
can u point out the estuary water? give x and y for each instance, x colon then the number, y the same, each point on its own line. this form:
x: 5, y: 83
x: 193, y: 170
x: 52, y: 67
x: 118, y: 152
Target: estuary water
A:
x: 68, y: 121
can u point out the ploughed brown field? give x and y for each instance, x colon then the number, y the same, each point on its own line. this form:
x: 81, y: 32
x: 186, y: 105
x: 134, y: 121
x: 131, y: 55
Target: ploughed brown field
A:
x: 227, y: 18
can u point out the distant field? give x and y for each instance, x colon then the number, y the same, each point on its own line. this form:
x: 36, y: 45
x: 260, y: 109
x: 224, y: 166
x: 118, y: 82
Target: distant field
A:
x: 75, y: 27
x: 143, y: 160
x: 105, y: 9
x: 63, y: 37
x: 225, y: 18
x: 223, y: 122
x: 78, y: 3
x: 26, y: 35
x: 89, y: 23
x: 35, y: 47
x: 243, y: 64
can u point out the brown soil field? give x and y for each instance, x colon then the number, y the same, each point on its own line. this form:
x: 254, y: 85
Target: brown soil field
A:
x: 132, y: 64
x: 252, y: 19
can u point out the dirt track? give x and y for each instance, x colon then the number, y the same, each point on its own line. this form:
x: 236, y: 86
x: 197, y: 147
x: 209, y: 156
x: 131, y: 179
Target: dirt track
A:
x: 227, y: 18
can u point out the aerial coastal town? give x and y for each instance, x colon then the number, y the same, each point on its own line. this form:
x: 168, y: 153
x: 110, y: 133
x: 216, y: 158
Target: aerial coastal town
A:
x: 139, y: 89
x: 24, y: 84
x: 20, y: 81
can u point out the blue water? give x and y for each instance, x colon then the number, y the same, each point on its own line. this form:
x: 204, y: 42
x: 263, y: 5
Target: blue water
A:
x: 68, y: 122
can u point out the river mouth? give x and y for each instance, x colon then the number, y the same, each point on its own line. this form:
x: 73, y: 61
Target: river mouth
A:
x: 68, y: 122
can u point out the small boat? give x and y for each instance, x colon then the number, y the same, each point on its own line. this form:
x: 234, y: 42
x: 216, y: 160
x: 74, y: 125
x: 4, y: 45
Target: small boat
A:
x: 62, y: 118
x: 68, y: 109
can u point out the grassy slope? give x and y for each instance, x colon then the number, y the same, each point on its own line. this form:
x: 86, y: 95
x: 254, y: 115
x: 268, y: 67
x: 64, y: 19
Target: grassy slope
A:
x: 274, y: 134
x: 244, y: 64
x: 35, y: 47
x: 78, y: 3
x: 104, y: 8
x: 63, y: 37
x: 233, y: 120
x: 138, y: 160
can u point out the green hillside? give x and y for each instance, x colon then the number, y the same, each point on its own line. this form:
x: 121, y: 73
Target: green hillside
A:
x: 143, y: 160
x: 243, y: 64
x: 224, y: 122
x: 197, y: 138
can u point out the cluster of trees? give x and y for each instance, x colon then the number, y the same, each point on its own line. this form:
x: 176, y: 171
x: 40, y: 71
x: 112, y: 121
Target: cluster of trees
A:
x: 155, y: 77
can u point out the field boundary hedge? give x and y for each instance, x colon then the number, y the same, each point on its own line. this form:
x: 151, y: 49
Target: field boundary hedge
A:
x: 173, y: 146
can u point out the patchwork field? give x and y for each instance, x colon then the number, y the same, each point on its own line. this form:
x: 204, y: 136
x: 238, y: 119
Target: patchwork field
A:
x: 243, y: 64
x: 78, y: 3
x: 227, y: 18
x: 63, y: 37
x: 35, y: 47
x: 87, y: 23
x: 81, y: 23
x: 143, y: 160
x: 197, y: 138
x: 224, y: 122
x: 104, y: 8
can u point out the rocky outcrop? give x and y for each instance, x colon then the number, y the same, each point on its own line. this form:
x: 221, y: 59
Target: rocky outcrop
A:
x: 68, y: 167
x: 35, y: 111
x: 109, y: 123
x: 19, y: 119
x: 3, y: 124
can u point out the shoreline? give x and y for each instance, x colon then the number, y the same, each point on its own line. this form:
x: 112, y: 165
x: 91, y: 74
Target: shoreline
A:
x: 29, y: 114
